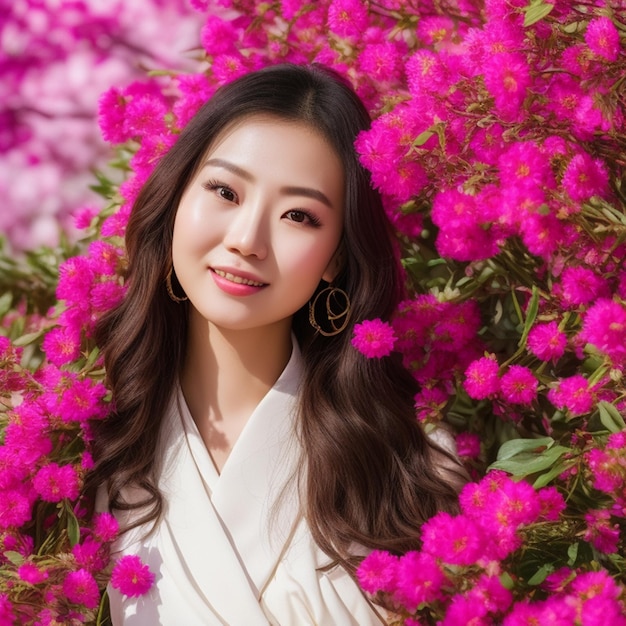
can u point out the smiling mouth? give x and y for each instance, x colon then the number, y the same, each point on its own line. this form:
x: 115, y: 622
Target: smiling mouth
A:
x: 238, y: 279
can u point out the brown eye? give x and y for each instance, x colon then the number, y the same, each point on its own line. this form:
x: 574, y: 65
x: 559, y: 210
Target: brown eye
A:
x: 222, y: 191
x: 226, y: 194
x: 297, y: 216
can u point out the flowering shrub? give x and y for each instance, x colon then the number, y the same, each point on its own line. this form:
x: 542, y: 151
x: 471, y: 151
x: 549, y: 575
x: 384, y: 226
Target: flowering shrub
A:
x: 56, y: 58
x: 498, y: 145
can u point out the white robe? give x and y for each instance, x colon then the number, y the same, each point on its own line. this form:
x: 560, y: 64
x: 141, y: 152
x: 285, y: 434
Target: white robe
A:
x: 223, y: 553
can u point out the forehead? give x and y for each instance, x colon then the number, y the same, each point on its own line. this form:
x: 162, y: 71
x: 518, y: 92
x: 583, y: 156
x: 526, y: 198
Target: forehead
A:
x: 275, y: 133
x: 269, y: 147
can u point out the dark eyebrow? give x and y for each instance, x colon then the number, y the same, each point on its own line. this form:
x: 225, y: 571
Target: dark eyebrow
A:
x: 231, y: 167
x: 306, y: 192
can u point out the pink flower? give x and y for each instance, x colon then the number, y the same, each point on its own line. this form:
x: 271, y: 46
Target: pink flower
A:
x: 574, y: 394
x: 218, y: 36
x: 526, y: 165
x: 228, y: 67
x: 492, y: 594
x: 456, y: 540
x: 91, y: 555
x: 458, y: 324
x: 374, y: 338
x: 603, y: 39
x: 481, y: 378
x: 542, y: 234
x: 55, y: 482
x: 425, y: 71
x: 547, y: 342
x: 553, y: 611
x: 429, y: 404
x: 7, y: 615
x: 83, y: 216
x: 507, y: 78
x: 585, y: 177
x: 419, y: 579
x: 604, y: 326
x: 15, y: 507
x: 487, y: 143
x: 605, y: 470
x: 581, y: 285
x: 145, y: 116
x: 464, y: 233
x: 82, y: 401
x: 381, y: 61
x: 377, y: 572
x: 30, y: 573
x: 603, y: 535
x: 616, y: 441
x: 111, y: 116
x: 518, y: 385
x: 475, y: 498
x: 105, y: 526
x: 466, y: 610
x: 348, y: 18
x: 468, y: 445
x: 80, y: 587
x: 518, y: 503
x: 551, y: 502
x: 435, y: 29
x: 104, y: 257
x: 61, y: 345
x: 131, y: 577
x: 577, y: 60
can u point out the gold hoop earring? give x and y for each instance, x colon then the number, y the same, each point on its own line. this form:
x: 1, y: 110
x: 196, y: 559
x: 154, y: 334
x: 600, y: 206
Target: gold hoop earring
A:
x: 334, y: 294
x: 170, y: 291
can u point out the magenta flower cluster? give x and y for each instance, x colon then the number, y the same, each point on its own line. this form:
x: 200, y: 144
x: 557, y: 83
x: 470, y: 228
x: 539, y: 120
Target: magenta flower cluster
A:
x: 458, y: 573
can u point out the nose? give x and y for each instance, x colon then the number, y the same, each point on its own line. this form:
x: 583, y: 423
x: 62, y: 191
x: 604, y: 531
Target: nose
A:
x: 247, y: 232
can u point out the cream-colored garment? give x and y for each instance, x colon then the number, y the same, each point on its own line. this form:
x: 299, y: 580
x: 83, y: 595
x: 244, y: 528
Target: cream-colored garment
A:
x: 223, y: 553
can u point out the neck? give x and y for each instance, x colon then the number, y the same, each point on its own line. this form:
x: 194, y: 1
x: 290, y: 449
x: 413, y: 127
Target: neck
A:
x: 227, y: 373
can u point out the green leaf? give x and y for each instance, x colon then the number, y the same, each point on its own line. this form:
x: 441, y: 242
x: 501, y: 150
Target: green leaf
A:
x: 572, y: 554
x: 527, y: 463
x: 536, y: 12
x: 531, y: 316
x: 541, y: 574
x: 15, y: 557
x: 422, y: 138
x: 558, y: 469
x: 24, y: 340
x: 6, y: 300
x: 506, y: 581
x: 513, y: 447
x: 73, y: 528
x: 610, y: 417
x: 91, y: 359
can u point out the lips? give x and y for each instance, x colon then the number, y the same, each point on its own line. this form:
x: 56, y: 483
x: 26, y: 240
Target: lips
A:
x: 239, y: 279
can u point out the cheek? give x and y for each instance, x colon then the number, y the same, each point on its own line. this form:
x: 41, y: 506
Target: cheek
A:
x: 307, y: 262
x: 191, y: 230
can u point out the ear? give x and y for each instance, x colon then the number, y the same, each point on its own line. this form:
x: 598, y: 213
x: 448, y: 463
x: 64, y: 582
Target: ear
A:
x: 335, y: 265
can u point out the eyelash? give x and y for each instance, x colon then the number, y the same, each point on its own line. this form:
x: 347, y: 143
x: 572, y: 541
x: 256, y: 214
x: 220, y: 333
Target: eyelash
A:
x: 313, y: 220
x: 214, y: 185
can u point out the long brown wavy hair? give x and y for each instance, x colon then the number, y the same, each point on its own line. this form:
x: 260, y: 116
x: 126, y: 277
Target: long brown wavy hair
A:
x: 370, y: 474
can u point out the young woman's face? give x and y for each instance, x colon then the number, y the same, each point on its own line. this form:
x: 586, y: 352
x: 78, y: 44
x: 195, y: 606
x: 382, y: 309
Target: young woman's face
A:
x: 260, y: 224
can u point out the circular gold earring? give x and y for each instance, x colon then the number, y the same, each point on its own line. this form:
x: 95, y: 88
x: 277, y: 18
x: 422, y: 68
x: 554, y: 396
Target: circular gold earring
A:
x: 333, y: 297
x: 170, y: 291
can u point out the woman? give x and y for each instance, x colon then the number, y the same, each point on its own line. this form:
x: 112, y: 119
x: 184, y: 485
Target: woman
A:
x: 255, y: 455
